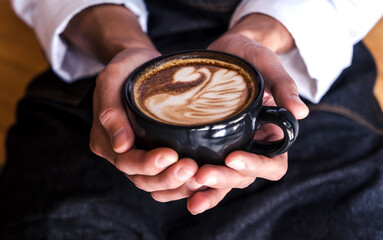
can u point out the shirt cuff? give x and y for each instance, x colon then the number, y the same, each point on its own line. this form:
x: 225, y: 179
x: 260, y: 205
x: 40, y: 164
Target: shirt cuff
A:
x: 50, y: 20
x: 324, y: 46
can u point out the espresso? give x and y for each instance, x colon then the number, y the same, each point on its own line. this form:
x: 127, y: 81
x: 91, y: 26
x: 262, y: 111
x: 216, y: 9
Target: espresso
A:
x: 195, y: 91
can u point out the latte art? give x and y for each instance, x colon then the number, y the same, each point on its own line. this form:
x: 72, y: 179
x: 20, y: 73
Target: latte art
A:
x: 195, y: 92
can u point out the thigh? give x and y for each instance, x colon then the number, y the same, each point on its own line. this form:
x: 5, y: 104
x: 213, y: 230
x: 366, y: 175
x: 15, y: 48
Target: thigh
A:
x: 53, y: 186
x: 335, y: 169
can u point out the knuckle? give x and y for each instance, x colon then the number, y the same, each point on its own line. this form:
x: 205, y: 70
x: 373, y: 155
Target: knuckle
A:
x: 106, y: 115
x: 148, y: 164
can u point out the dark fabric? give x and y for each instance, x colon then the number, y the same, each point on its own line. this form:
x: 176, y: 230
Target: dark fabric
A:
x: 53, y: 187
x: 186, y: 24
x: 209, y: 5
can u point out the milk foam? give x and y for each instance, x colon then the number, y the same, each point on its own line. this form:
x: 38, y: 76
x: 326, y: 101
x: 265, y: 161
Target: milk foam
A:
x: 213, y: 94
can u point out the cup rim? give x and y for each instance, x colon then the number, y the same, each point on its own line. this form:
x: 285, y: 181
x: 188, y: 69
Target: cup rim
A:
x: 129, y: 101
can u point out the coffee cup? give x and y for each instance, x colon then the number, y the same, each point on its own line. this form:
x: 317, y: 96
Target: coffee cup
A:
x: 204, y: 105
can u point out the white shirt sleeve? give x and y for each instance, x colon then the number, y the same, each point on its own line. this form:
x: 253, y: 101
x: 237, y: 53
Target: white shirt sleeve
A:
x: 49, y: 19
x: 324, y: 32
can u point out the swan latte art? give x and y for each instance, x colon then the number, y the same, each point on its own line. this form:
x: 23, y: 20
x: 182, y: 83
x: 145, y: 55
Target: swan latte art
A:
x: 195, y: 91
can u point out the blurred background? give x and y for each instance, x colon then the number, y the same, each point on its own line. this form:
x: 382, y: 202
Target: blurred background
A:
x: 21, y: 59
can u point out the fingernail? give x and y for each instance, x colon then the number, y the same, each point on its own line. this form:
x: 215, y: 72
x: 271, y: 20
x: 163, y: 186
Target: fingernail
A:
x: 164, y: 161
x: 237, y: 165
x: 300, y: 112
x: 119, y: 139
x: 193, y: 185
x: 183, y: 174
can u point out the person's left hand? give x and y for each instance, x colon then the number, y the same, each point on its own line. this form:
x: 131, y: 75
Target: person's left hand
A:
x: 258, y: 44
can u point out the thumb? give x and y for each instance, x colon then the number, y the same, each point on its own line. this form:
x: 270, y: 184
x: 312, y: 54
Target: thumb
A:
x: 110, y: 113
x: 277, y: 81
x: 109, y: 109
x: 285, y: 93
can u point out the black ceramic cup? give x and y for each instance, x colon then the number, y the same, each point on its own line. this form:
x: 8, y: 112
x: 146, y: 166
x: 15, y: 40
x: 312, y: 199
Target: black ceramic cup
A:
x: 211, y: 143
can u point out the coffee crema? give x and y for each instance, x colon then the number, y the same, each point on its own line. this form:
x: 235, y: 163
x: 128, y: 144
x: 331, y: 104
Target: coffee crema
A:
x: 196, y: 91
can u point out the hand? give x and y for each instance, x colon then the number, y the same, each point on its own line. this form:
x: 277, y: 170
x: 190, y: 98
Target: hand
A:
x: 112, y: 136
x: 120, y: 43
x: 256, y: 38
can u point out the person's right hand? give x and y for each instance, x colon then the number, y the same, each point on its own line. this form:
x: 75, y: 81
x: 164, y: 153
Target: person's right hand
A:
x: 111, y: 34
x: 112, y: 137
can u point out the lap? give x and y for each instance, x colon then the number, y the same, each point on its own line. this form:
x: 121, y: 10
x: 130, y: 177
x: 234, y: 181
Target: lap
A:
x: 53, y: 185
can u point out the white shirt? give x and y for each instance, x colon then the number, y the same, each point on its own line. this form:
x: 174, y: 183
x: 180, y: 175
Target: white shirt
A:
x: 315, y: 63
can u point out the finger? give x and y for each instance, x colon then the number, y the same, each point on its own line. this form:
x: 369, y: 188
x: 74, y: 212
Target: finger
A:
x: 141, y: 162
x: 110, y: 111
x: 184, y: 191
x: 277, y: 81
x: 134, y: 161
x: 253, y: 165
x: 99, y: 140
x: 214, y: 176
x: 99, y: 143
x: 201, y: 201
x: 172, y: 194
x: 172, y: 178
x: 285, y: 94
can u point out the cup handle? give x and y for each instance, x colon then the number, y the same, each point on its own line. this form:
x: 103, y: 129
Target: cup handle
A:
x: 282, y: 118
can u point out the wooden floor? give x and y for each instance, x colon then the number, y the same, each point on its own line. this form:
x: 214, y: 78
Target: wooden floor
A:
x: 21, y: 59
x: 374, y: 41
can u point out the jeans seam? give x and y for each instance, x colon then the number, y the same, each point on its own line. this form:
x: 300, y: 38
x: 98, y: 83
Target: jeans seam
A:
x: 347, y: 113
